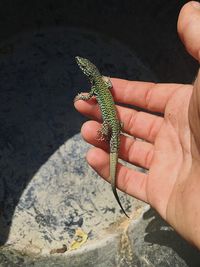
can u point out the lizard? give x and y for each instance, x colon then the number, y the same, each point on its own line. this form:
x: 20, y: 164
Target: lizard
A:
x: 111, y: 127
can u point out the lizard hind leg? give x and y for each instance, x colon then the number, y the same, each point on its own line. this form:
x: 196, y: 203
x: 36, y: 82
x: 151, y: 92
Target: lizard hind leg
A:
x: 104, y: 133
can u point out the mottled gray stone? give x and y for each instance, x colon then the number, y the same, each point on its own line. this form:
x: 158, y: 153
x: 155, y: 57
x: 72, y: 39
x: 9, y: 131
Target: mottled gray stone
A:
x: 49, y: 190
x: 65, y: 194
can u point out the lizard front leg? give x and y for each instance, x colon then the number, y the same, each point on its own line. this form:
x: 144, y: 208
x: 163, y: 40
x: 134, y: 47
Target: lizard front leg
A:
x: 85, y: 97
x: 107, y: 81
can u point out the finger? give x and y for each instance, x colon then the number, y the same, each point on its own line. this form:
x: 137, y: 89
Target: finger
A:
x: 134, y: 151
x: 150, y: 96
x: 128, y: 180
x: 139, y: 124
x: 89, y: 108
x: 189, y: 28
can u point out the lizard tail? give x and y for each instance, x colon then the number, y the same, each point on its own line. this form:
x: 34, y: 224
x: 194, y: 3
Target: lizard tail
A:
x: 113, y: 167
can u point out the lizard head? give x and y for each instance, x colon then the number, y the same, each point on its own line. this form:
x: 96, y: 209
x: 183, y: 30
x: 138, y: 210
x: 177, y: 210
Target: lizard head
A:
x: 86, y: 66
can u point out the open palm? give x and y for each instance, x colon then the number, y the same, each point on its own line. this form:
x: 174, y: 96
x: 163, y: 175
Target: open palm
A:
x: 164, y: 139
x: 163, y: 148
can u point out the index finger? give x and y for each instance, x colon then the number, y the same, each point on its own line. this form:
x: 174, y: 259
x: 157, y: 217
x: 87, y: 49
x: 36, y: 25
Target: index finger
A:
x: 147, y: 95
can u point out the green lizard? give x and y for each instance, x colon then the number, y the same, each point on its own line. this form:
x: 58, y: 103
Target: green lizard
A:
x: 111, y: 127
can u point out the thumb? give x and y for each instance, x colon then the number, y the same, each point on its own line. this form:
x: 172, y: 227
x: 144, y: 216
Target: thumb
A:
x: 189, y: 32
x: 194, y: 118
x: 189, y: 28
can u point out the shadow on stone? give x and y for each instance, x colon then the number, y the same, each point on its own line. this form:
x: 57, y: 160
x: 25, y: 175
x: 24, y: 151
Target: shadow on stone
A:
x: 159, y: 232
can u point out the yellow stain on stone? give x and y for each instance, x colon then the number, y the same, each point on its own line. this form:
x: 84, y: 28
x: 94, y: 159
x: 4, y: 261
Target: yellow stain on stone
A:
x: 79, y: 239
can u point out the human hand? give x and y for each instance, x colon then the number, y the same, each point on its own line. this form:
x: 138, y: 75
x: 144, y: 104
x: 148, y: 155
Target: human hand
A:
x: 168, y: 145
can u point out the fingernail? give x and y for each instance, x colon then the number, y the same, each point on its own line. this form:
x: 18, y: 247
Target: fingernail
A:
x: 195, y: 4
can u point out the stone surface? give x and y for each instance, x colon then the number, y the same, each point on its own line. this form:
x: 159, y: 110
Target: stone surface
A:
x: 48, y: 189
x: 65, y: 194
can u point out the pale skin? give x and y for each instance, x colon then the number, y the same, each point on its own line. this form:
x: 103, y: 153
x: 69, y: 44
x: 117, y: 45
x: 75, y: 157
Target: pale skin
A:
x: 170, y: 145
